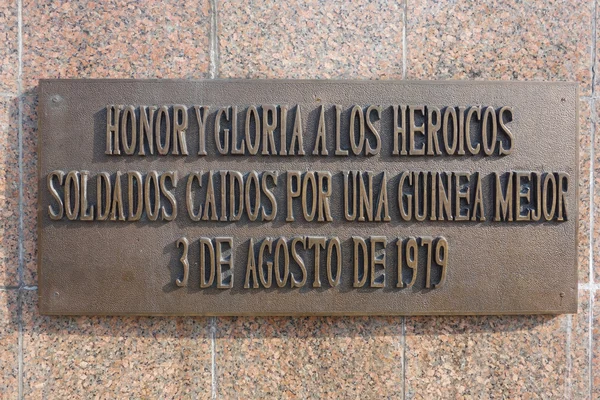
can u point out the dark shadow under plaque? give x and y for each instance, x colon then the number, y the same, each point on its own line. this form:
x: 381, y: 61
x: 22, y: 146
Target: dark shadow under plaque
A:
x: 259, y: 197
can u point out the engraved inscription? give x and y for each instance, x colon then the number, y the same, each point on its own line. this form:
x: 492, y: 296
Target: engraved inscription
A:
x: 307, y: 197
x: 227, y: 196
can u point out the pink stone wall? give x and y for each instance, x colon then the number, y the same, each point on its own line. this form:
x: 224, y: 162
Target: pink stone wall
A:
x: 412, y: 358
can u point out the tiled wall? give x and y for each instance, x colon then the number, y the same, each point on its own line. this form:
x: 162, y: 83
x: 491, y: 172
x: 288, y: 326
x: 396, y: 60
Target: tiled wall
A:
x: 412, y: 358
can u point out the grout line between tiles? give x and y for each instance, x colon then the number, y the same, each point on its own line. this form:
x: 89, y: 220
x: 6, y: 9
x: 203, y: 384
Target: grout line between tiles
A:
x: 589, y: 286
x: 590, y: 348
x: 20, y: 140
x: 214, y: 41
x: 591, y: 271
x: 404, y: 19
x: 21, y: 247
x: 20, y: 340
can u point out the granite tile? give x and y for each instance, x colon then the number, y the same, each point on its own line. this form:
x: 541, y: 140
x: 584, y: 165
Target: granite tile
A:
x: 30, y: 187
x: 309, y: 357
x: 595, y: 346
x: 597, y: 32
x: 113, y: 357
x: 9, y: 49
x: 579, y: 374
x: 595, y: 245
x: 585, y: 139
x: 486, y: 357
x: 9, y: 192
x: 310, y: 39
x: 545, y: 40
x: 9, y: 344
x: 115, y: 39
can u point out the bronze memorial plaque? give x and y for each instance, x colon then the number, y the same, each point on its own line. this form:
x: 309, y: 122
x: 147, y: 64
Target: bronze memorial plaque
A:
x: 292, y: 197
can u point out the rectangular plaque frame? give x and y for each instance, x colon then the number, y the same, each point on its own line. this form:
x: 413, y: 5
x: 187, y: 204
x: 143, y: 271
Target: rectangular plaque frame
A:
x: 131, y: 268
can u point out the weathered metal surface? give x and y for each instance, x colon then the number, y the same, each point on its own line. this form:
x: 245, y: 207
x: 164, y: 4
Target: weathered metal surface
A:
x: 109, y: 248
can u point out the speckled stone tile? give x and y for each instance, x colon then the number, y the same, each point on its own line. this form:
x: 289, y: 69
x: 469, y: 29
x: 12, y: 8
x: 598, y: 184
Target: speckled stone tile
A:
x: 595, y: 346
x: 597, y: 82
x: 9, y: 344
x: 30, y: 188
x: 486, y: 357
x: 596, y: 197
x: 115, y: 39
x: 309, y: 358
x: 585, y: 140
x: 9, y: 46
x: 492, y: 39
x: 9, y: 192
x: 310, y: 39
x: 112, y: 357
x: 579, y: 373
